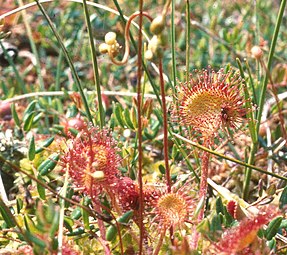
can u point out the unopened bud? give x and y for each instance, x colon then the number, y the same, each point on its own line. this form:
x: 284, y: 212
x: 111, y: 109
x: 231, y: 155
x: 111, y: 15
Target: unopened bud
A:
x: 157, y: 25
x: 103, y: 48
x: 98, y: 175
x: 110, y: 38
x: 256, y: 52
x: 148, y: 55
x: 153, y: 44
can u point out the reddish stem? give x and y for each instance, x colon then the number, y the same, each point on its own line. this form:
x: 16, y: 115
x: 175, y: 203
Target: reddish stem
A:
x: 139, y: 100
x: 203, y: 182
x: 202, y: 193
x: 165, y: 137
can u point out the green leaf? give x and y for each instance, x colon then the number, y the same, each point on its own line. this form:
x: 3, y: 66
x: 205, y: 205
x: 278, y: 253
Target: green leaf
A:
x: 7, y: 215
x: 161, y: 169
x: 68, y: 222
x: 30, y: 108
x: 45, y: 144
x: 128, y: 119
x: 125, y: 217
x: 19, y: 204
x: 28, y: 122
x: 272, y: 244
x: 119, y: 115
x: 40, y: 188
x: 55, y: 223
x: 86, y: 201
x: 76, y: 213
x: 283, y: 198
x: 112, y: 229
x: 77, y: 232
x: 48, y: 165
x: 31, y: 149
x: 215, y: 224
x: 35, y: 240
x: 15, y: 115
x: 273, y: 228
x: 70, y: 193
x: 37, y: 117
x: 219, y: 206
x: 154, y: 132
x: 111, y: 233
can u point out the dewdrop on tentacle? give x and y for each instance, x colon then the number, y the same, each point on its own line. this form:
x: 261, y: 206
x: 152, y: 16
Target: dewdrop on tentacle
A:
x: 210, y: 102
x: 92, y: 160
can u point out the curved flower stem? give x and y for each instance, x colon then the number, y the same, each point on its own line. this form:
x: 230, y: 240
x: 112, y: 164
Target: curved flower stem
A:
x: 159, y: 244
x: 127, y: 39
x: 139, y: 106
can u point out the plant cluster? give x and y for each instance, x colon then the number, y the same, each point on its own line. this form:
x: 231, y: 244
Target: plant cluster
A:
x: 111, y: 143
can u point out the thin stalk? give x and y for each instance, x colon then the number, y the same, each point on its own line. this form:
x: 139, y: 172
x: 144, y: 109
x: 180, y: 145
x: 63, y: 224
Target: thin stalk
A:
x: 174, y: 73
x: 269, y: 62
x: 165, y: 138
x: 184, y: 155
x: 248, y: 170
x: 62, y: 213
x: 248, y: 106
x: 147, y: 72
x: 275, y: 94
x: 262, y: 98
x: 203, y: 182
x: 139, y: 110
x: 229, y: 158
x: 58, y: 72
x: 33, y: 47
x: 159, y: 244
x: 257, y: 26
x: 95, y: 64
x: 251, y: 83
x: 165, y: 128
x: 69, y: 60
x: 187, y: 55
x: 202, y: 193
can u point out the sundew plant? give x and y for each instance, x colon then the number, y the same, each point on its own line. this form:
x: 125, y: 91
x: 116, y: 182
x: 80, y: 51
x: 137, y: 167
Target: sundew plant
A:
x: 143, y: 127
